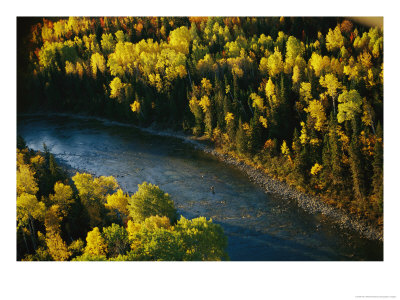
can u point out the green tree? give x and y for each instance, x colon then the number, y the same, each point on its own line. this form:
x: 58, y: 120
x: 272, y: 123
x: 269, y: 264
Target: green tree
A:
x: 93, y: 193
x: 377, y: 165
x: 326, y: 174
x: 107, y: 43
x: 241, y: 139
x: 155, y: 241
x: 120, y: 36
x: 357, y: 169
x: 336, y: 155
x: 21, y: 144
x: 294, y: 48
x: 202, y: 239
x: 150, y: 200
x: 349, y: 105
x: 299, y: 161
x: 116, y: 238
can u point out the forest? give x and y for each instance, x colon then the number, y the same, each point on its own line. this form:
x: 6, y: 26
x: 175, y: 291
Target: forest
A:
x: 86, y: 218
x: 299, y: 98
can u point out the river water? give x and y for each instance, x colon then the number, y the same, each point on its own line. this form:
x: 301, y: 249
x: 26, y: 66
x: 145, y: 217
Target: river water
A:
x: 259, y: 226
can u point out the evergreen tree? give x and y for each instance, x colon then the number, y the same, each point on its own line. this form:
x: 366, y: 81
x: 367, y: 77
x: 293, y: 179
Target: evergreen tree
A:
x: 241, y: 140
x: 299, y: 161
x: 284, y: 118
x: 326, y: 163
x: 357, y: 168
x: 377, y: 179
x: 337, y: 167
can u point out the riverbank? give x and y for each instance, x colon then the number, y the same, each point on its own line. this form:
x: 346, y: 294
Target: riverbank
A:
x: 309, y: 203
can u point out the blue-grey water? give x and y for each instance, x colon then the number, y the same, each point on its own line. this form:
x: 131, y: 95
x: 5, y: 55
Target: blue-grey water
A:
x: 259, y: 227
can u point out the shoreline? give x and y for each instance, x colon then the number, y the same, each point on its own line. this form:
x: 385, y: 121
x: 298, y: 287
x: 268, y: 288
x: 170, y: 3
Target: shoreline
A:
x: 309, y: 203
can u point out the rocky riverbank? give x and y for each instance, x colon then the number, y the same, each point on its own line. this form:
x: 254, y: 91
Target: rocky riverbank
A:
x: 309, y: 203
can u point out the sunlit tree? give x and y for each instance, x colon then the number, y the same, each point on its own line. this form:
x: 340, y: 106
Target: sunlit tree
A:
x: 116, y: 239
x: 275, y: 63
x: 334, y: 39
x: 97, y: 62
x: 118, y: 202
x: 95, y: 243
x: 150, y: 200
x: 93, y: 193
x: 63, y: 196
x: 331, y: 83
x: 202, y: 239
x: 26, y: 182
x: 349, y: 104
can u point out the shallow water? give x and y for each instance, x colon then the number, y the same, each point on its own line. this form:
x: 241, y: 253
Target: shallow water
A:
x: 259, y: 226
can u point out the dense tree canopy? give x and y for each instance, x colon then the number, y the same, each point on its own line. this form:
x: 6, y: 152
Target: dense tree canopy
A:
x: 89, y: 220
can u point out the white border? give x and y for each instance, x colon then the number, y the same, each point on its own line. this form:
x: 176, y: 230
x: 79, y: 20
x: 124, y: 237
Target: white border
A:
x: 260, y: 280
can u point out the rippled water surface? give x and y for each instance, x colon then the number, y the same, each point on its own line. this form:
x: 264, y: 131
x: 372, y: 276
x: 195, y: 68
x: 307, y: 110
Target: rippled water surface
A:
x: 258, y: 226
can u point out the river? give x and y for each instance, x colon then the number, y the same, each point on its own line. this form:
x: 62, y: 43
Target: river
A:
x: 259, y: 226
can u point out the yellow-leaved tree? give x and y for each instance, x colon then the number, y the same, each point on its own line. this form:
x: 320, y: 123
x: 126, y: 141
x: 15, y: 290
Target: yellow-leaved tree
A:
x: 285, y: 150
x: 57, y: 247
x: 28, y: 210
x: 320, y: 65
x: 118, y: 202
x: 258, y: 102
x: 63, y: 197
x: 135, y: 106
x: 97, y: 62
x: 334, y: 39
x: 26, y: 182
x: 315, y: 169
x: 95, y: 243
x: 317, y: 112
x: 206, y: 85
x: 180, y: 39
x: 331, y: 83
x: 229, y: 117
x: 93, y: 193
x: 349, y: 105
x: 294, y: 48
x: 275, y: 63
x: 116, y: 86
x: 205, y: 103
x: 270, y: 91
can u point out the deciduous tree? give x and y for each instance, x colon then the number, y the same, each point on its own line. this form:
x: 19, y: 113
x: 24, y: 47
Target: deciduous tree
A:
x: 150, y: 200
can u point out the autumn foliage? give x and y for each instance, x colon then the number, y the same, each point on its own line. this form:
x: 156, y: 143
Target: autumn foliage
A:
x: 91, y: 218
x: 302, y: 98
